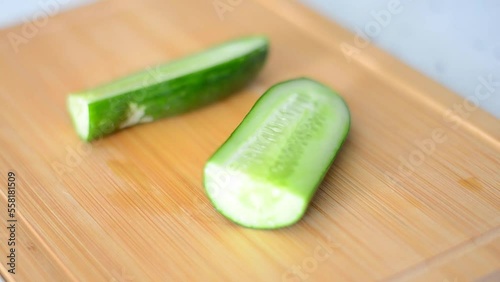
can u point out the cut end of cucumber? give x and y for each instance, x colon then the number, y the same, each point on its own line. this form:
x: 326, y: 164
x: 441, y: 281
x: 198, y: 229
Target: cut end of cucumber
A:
x: 250, y: 202
x: 79, y: 111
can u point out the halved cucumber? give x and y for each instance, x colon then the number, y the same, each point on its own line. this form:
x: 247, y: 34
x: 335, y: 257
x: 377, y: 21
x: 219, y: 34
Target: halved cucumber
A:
x: 266, y: 173
x: 168, y: 89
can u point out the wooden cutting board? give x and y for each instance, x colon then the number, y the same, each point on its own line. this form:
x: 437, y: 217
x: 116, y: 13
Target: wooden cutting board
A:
x: 413, y: 195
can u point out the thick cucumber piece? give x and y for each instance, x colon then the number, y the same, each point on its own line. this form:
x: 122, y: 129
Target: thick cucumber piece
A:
x: 169, y: 89
x: 266, y: 173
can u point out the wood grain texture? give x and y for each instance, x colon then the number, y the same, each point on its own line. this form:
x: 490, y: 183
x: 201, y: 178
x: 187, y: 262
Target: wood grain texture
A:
x: 131, y: 207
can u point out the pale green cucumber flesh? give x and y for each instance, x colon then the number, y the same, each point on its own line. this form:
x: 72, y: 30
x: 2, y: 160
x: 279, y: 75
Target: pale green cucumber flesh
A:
x: 266, y: 173
x: 170, y: 89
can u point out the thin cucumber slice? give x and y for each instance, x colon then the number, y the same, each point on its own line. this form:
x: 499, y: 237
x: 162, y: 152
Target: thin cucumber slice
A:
x: 169, y: 89
x: 266, y: 173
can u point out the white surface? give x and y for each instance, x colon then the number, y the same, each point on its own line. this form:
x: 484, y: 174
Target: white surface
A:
x: 453, y: 42
x: 13, y: 12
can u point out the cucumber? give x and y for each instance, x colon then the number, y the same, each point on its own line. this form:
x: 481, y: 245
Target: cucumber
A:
x: 169, y: 89
x: 267, y: 171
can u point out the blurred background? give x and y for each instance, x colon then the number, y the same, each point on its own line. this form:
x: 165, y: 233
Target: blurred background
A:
x: 453, y: 42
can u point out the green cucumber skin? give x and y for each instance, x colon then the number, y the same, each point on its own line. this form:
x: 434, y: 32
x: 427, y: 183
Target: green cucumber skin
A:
x: 174, y: 96
x: 215, y: 158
